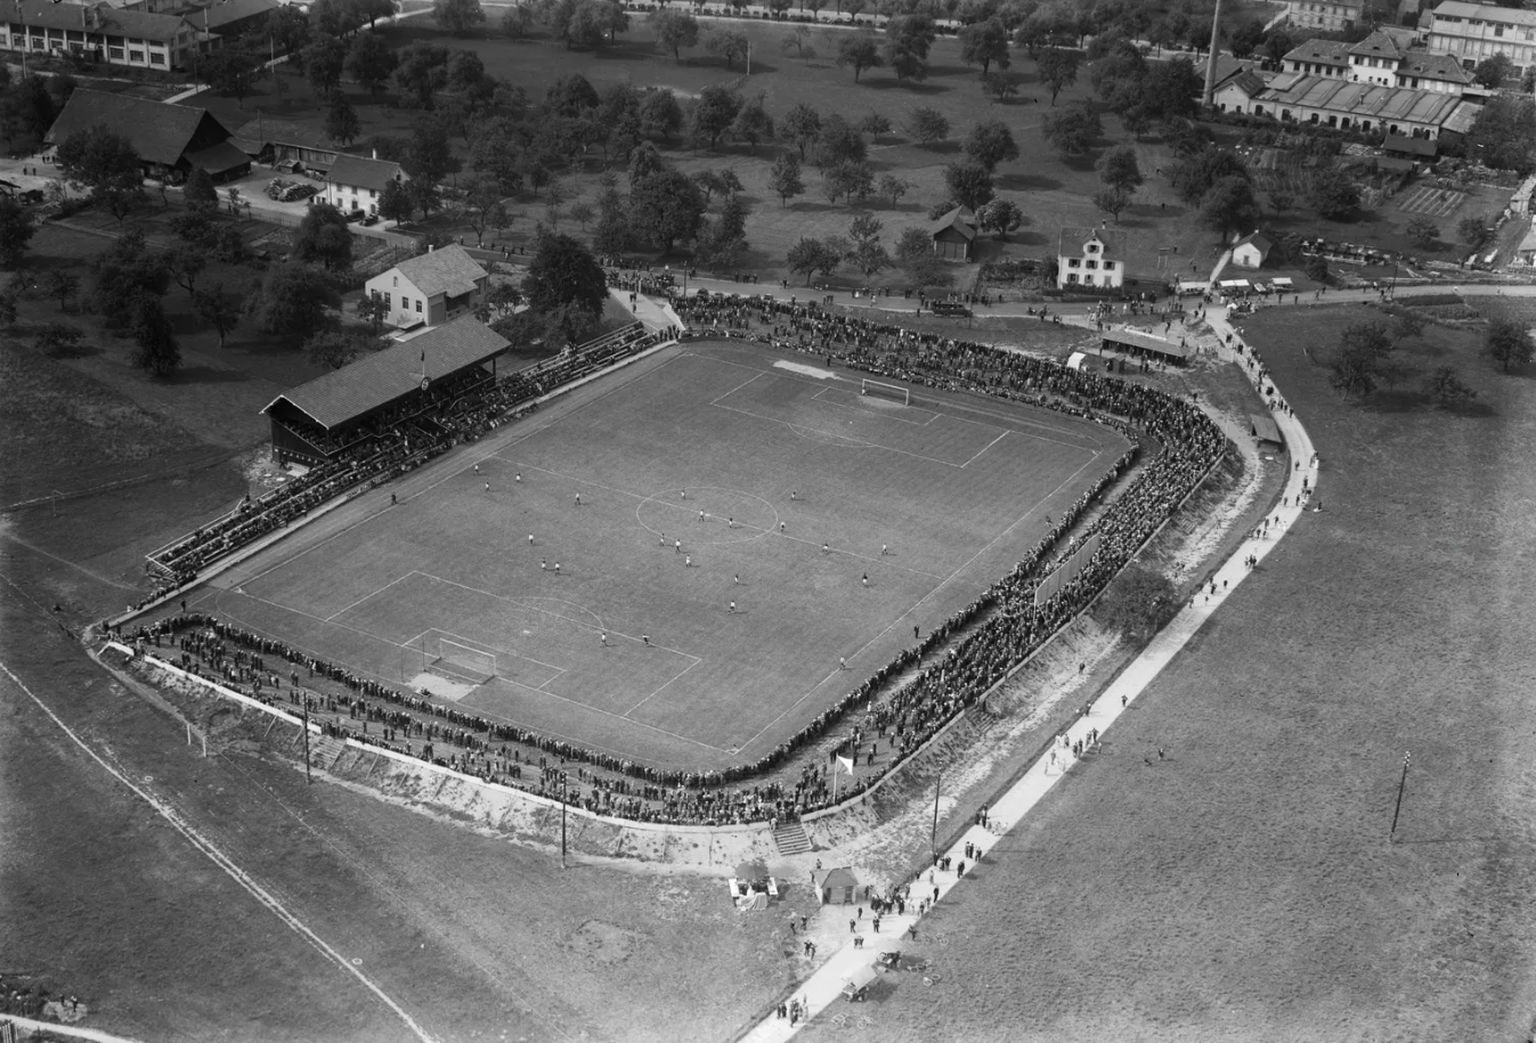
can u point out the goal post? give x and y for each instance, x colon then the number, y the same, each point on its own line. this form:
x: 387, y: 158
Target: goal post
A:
x: 881, y: 388
x: 463, y: 659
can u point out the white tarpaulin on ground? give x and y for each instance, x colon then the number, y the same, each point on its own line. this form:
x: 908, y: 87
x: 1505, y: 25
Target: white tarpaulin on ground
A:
x: 1076, y: 360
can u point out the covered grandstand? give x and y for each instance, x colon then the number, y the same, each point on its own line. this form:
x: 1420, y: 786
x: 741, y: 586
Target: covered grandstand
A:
x: 405, y: 384
x: 1144, y: 345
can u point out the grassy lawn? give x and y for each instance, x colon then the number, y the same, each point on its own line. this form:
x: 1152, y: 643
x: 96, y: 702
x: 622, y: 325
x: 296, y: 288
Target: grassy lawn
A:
x: 1245, y: 886
x: 779, y: 464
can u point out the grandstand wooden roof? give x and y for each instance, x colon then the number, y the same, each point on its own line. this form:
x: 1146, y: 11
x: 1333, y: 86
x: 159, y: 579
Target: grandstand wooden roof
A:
x: 1145, y: 341
x: 376, y: 380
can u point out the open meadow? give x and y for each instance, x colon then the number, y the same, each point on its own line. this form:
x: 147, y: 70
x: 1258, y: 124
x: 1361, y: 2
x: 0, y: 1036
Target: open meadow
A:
x: 747, y: 525
x: 1245, y: 887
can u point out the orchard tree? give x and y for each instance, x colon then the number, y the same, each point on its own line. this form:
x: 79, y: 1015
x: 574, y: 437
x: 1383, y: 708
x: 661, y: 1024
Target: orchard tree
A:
x: 1118, y: 169
x: 102, y: 160
x: 395, y: 202
x: 660, y: 114
x: 893, y: 188
x: 1424, y: 233
x: 927, y: 126
x: 1112, y: 201
x: 915, y: 256
x: 713, y: 113
x: 1334, y: 194
x: 1474, y: 231
x: 482, y: 208
x: 990, y: 143
x: 969, y: 183
x: 665, y: 208
x: 801, y: 127
x: 158, y: 351
x: 908, y: 38
x: 199, y: 192
x: 371, y: 62
x: 1447, y: 388
x: 808, y: 256
x: 1000, y: 86
x: 16, y: 231
x: 1058, y: 69
x: 457, y: 16
x: 324, y: 61
x: 861, y: 51
x: 785, y: 179
x: 1509, y: 344
x: 565, y: 282
x: 341, y: 121
x: 218, y: 310
x: 875, y: 124
x: 727, y: 44
x: 752, y: 125
x: 1000, y: 216
x: 324, y: 238
x: 1072, y: 131
x: 292, y: 299
x: 674, y: 30
x: 985, y: 44
x: 837, y: 143
x: 1230, y: 206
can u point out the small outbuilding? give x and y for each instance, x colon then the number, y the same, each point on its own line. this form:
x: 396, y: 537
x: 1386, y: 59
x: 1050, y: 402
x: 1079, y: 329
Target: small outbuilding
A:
x: 1265, y: 430
x: 1251, y: 250
x: 954, y: 235
x: 835, y: 886
x: 1145, y: 345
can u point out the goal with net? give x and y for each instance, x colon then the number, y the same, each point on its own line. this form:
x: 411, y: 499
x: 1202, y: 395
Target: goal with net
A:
x: 884, y: 390
x: 457, y: 660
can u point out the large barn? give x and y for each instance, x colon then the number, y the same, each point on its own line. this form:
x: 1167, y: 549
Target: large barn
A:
x: 333, y: 414
x: 171, y: 140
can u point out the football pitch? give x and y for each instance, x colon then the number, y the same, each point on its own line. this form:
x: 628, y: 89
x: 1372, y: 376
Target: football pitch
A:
x: 747, y: 522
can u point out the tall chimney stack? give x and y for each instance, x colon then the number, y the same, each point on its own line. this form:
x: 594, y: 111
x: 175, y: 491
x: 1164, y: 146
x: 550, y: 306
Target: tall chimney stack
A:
x: 1210, y: 65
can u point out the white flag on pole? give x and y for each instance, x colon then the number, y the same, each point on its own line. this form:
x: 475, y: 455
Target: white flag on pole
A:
x: 846, y: 762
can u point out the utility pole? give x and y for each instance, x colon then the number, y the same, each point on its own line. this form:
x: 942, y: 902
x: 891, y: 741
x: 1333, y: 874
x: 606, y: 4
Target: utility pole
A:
x: 563, y: 780
x: 308, y: 780
x: 1401, y: 785
x: 1210, y: 63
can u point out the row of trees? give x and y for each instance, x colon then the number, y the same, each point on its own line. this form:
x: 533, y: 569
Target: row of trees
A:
x: 1366, y: 356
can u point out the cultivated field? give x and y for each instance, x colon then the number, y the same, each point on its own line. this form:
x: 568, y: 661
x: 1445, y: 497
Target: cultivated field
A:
x: 1244, y: 888
x: 632, y: 646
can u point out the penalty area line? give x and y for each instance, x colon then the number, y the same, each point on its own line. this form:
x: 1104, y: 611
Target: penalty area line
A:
x: 228, y: 865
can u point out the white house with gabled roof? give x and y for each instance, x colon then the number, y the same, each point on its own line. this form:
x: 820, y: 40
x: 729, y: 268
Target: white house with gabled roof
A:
x: 357, y: 183
x: 1091, y: 257
x: 430, y: 289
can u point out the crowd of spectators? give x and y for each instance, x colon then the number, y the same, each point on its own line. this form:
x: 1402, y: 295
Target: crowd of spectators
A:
x: 952, y: 666
x: 387, y: 445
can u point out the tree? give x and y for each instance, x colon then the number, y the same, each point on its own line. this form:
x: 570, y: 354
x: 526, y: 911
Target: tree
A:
x: 1503, y: 135
x: 199, y: 192
x: 727, y: 44
x: 660, y: 114
x: 969, y: 183
x: 1509, y: 344
x: 1334, y: 194
x: 482, y: 209
x: 16, y: 231
x: 985, y: 44
x: 1371, y: 340
x: 101, y: 160
x: 1112, y: 201
x: 908, y: 38
x: 861, y: 51
x: 837, y: 143
x: 1424, y: 233
x: 1194, y: 175
x: 644, y: 162
x: 1118, y: 169
x: 752, y: 125
x: 396, y: 203
x: 55, y: 339
x: 999, y: 86
x: 1072, y: 131
x: 334, y: 348
x: 1447, y: 388
x: 566, y: 282
x: 1317, y: 268
x: 371, y: 62
x: 875, y: 124
x: 990, y: 143
x: 800, y: 127
x: 158, y: 351
x: 852, y: 179
x: 324, y: 61
x: 893, y: 188
x: 914, y: 253
x: 29, y: 108
x: 232, y: 71
x: 611, y: 236
x: 1230, y: 206
x: 124, y: 268
x: 61, y: 285
x: 674, y: 29
x: 665, y: 208
x: 1245, y: 38
x: 1352, y: 373
x: 292, y: 299
x: 713, y: 113
x: 723, y: 241
x: 457, y: 16
x: 217, y: 310
x: 784, y: 178
x: 429, y: 158
x: 1058, y: 69
x: 809, y: 256
x: 1000, y: 216
x: 185, y: 263
x: 927, y: 126
x: 515, y: 20
x: 1474, y: 231
x: 1139, y: 602
x: 421, y: 70
x: 324, y: 238
x: 341, y: 121
x: 1492, y: 71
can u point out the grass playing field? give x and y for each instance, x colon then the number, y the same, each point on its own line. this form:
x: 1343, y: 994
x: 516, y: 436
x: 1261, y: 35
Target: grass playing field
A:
x: 631, y: 648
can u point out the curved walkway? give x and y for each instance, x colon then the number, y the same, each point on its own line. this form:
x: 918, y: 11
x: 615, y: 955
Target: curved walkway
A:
x: 824, y: 988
